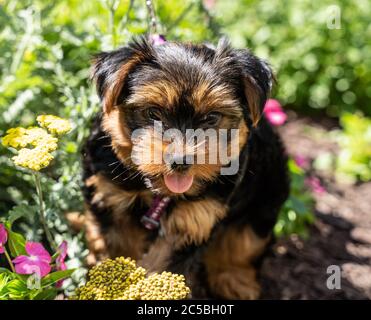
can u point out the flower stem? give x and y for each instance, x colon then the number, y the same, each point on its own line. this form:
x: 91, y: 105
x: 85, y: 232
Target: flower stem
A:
x: 42, y: 211
x: 9, y: 260
x: 112, y: 6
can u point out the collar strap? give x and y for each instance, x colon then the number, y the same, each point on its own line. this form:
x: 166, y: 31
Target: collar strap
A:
x: 151, y: 219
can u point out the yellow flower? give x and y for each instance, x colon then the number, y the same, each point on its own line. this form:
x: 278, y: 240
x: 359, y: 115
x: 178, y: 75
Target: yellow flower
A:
x: 121, y: 279
x: 164, y: 286
x: 15, y: 138
x: 34, y: 159
x: 37, y: 137
x: 54, y: 124
x: 43, y: 142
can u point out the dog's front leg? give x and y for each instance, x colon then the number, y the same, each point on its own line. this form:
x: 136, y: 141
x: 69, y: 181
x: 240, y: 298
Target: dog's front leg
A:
x: 189, y: 223
x: 111, y: 230
x: 229, y: 263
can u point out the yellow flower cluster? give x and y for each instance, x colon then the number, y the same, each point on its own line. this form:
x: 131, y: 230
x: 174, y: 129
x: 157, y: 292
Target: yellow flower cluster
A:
x: 34, y: 159
x: 43, y: 142
x: 164, y: 286
x: 54, y: 124
x: 121, y: 279
x: 34, y: 136
x: 15, y: 137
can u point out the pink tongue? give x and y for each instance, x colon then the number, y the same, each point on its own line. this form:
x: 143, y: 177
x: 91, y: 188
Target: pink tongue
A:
x: 178, y: 183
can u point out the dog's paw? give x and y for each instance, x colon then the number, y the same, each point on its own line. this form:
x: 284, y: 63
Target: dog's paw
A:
x: 235, y: 284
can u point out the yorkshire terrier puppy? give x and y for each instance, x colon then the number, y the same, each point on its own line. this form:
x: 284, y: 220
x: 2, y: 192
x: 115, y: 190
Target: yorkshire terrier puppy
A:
x: 180, y: 211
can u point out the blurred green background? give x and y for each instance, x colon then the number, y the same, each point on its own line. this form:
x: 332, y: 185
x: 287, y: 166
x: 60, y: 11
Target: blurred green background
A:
x: 45, y: 52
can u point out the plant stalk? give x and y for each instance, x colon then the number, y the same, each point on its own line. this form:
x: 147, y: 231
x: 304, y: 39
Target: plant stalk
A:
x: 42, y: 210
x: 9, y: 260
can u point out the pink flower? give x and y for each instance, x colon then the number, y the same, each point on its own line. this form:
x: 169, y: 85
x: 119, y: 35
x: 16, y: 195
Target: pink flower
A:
x: 157, y: 39
x: 274, y: 113
x: 3, y: 237
x: 301, y: 161
x: 315, y: 185
x: 62, y: 256
x: 209, y: 4
x: 62, y: 249
x: 37, y: 261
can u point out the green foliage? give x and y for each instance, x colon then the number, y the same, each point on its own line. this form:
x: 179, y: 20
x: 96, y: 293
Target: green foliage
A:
x: 23, y: 287
x: 318, y: 68
x: 17, y: 287
x: 354, y: 160
x: 16, y: 243
x: 297, y: 212
x: 54, y: 277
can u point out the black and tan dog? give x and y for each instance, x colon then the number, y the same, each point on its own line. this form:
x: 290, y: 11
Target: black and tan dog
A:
x: 214, y: 227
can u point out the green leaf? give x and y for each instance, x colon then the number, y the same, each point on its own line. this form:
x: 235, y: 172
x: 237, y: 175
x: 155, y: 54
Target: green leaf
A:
x: 46, y: 294
x: 4, y: 279
x: 16, y: 243
x: 16, y: 286
x: 4, y: 270
x: 52, y: 278
x: 17, y: 212
x: 16, y: 289
x: 22, y: 277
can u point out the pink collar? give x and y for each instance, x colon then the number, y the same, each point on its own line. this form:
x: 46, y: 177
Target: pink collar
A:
x: 151, y: 219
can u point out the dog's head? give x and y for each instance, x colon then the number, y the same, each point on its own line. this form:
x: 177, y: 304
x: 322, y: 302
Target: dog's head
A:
x: 171, y: 109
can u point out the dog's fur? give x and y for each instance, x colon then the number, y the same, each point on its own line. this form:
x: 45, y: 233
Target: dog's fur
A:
x: 214, y: 233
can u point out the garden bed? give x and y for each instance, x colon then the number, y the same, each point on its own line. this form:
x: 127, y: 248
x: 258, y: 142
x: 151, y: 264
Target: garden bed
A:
x: 341, y: 235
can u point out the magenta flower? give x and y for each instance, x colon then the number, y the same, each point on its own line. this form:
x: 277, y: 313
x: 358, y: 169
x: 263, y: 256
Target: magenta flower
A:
x: 157, y: 39
x: 3, y: 237
x: 315, y: 185
x: 274, y: 113
x: 301, y: 161
x: 37, y: 261
x: 62, y: 249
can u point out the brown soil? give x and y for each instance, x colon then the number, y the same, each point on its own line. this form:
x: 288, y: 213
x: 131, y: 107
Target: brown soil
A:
x: 341, y: 235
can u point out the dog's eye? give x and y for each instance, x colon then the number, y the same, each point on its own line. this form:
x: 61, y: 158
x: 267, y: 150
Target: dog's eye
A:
x: 211, y: 119
x: 153, y: 113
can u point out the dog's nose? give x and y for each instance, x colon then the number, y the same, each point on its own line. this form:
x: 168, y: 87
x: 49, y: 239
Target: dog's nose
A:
x: 180, y: 163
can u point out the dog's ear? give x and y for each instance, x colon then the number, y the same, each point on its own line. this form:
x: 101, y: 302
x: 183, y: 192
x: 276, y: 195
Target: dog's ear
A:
x: 110, y: 71
x: 255, y: 75
x: 257, y: 80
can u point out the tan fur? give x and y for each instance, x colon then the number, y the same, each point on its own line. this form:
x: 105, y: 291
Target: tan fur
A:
x: 188, y: 223
x: 229, y: 259
x: 95, y: 240
x: 76, y: 220
x: 161, y: 94
x: 113, y: 91
x: 121, y: 141
x: 243, y: 134
x: 124, y: 238
x: 208, y: 97
x: 253, y: 100
x: 158, y: 256
x: 191, y: 222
